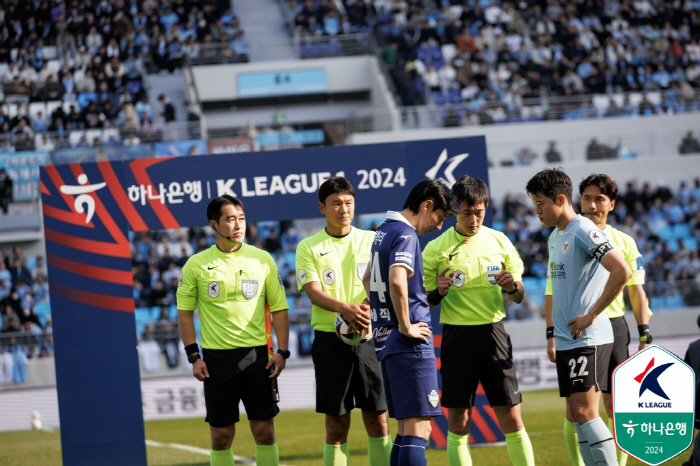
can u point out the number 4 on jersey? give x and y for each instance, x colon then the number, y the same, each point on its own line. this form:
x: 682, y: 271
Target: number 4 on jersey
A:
x: 376, y: 283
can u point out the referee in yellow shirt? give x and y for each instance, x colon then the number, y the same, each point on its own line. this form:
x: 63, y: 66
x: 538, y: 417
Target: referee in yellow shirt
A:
x: 232, y: 282
x: 330, y: 266
x: 598, y: 196
x: 467, y: 269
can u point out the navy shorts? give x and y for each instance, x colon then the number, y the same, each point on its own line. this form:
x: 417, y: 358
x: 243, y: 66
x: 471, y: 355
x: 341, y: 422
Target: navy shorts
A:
x: 410, y: 384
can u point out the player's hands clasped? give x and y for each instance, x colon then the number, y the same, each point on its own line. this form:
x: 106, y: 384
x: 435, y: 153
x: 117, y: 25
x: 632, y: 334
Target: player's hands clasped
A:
x: 551, y: 352
x: 504, y: 279
x: 357, y: 316
x: 579, y: 324
x: 444, y: 281
x: 199, y: 370
x: 419, y: 330
x: 278, y: 361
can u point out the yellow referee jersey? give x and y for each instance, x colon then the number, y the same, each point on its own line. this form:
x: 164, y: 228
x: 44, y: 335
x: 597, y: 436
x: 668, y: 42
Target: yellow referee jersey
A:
x: 338, y: 264
x: 231, y: 288
x: 474, y: 298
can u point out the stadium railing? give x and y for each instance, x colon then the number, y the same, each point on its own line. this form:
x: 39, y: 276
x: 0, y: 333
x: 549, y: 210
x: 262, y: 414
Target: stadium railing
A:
x: 343, y: 45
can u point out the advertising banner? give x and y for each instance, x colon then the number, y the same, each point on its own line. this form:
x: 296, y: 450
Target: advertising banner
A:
x: 180, y: 148
x: 23, y: 170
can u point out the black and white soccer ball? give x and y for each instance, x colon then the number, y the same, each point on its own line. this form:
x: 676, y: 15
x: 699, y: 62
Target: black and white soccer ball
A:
x: 348, y: 335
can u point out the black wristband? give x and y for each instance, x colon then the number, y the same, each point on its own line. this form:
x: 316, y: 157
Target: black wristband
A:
x: 191, y: 349
x: 550, y: 332
x: 643, y: 329
x: 434, y: 297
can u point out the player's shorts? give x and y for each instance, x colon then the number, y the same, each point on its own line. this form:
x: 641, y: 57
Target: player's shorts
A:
x: 620, y: 351
x: 579, y: 369
x: 473, y: 353
x: 235, y: 375
x: 410, y: 383
x: 346, y: 376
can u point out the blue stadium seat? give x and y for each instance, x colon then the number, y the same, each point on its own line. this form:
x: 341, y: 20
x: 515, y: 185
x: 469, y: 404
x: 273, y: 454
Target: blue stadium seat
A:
x: 438, y: 98
x: 657, y: 303
x: 291, y: 302
x: 691, y: 244
x: 172, y: 311
x: 198, y: 329
x: 454, y: 97
x: 531, y: 285
x: 665, y: 233
x: 140, y: 328
x: 84, y: 98
x: 500, y: 226
x: 674, y: 302
x: 43, y: 311
x: 143, y: 315
x: 155, y: 313
x: 672, y: 245
x: 290, y: 258
x: 681, y: 230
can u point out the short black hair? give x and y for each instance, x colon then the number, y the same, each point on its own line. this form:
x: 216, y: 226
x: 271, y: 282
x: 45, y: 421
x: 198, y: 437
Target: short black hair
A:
x: 471, y: 190
x: 215, y: 205
x: 606, y: 185
x: 550, y: 183
x: 335, y: 185
x: 435, y: 190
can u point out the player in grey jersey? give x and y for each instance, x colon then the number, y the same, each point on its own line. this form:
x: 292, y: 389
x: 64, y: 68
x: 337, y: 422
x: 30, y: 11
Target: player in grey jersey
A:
x: 580, y: 257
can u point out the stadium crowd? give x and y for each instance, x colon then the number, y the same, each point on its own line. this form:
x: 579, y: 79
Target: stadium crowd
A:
x: 507, y: 52
x: 87, y: 60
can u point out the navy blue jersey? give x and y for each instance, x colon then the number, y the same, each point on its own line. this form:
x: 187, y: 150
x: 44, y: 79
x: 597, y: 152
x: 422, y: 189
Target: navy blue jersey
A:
x: 396, y: 244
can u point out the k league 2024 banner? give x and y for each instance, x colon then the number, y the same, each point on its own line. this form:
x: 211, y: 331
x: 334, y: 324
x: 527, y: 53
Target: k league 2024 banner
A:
x: 90, y: 207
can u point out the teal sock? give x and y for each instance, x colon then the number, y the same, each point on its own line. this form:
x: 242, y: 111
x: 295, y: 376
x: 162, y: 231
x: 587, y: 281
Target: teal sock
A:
x: 221, y: 457
x: 571, y: 441
x: 621, y: 455
x: 379, y: 450
x: 335, y: 455
x: 458, y: 450
x: 520, y: 448
x: 267, y: 455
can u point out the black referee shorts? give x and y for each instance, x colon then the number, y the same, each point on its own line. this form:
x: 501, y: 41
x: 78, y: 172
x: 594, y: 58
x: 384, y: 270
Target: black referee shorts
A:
x: 235, y: 375
x: 620, y: 349
x: 346, y: 376
x: 473, y: 353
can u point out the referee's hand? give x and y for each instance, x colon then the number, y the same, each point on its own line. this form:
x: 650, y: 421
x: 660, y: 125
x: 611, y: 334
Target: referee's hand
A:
x: 444, y: 281
x: 276, y: 361
x: 357, y: 316
x: 199, y: 370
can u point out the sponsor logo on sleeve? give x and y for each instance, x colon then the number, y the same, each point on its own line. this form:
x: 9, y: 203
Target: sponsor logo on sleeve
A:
x: 301, y: 276
x: 597, y: 237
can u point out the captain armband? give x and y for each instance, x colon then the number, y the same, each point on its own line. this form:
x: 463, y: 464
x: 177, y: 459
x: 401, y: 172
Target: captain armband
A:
x: 601, y: 250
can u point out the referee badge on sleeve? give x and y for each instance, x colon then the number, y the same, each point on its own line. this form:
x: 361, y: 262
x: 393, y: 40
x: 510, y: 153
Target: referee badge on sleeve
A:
x: 250, y: 288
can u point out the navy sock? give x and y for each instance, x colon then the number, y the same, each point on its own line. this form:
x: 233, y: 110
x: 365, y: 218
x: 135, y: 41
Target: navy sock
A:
x: 413, y: 451
x: 394, y: 461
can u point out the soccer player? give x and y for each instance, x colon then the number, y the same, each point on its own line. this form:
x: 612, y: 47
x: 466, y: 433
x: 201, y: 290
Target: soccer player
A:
x: 467, y: 269
x: 401, y: 317
x: 330, y: 266
x: 598, y: 196
x: 232, y: 282
x: 579, y: 256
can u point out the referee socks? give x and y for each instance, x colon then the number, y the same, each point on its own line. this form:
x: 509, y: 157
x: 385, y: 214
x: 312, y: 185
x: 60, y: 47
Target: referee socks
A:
x: 335, y: 455
x: 412, y: 451
x: 379, y: 450
x: 267, y: 455
x: 520, y: 448
x: 458, y: 450
x: 221, y: 457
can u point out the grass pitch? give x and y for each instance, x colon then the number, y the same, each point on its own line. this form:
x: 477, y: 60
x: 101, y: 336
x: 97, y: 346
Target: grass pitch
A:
x: 300, y: 436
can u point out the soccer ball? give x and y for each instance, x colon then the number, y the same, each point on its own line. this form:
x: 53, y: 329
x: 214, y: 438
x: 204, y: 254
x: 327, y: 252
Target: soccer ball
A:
x: 348, y: 335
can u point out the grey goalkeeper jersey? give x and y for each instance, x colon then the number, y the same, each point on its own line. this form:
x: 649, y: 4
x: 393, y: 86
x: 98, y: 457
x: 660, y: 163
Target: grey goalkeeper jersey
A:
x: 577, y: 280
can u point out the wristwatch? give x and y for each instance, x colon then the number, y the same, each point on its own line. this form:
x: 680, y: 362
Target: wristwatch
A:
x: 515, y: 290
x: 285, y: 353
x: 193, y: 357
x: 646, y: 338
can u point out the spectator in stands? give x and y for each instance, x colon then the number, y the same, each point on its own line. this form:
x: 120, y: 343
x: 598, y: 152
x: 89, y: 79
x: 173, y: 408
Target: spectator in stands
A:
x: 689, y: 144
x: 6, y: 191
x: 18, y: 271
x: 192, y: 118
x: 552, y: 155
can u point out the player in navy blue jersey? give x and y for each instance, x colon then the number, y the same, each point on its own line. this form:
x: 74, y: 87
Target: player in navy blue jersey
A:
x: 401, y: 317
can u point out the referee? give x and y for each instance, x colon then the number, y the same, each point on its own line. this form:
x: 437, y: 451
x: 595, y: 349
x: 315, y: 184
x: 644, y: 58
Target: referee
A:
x: 467, y: 268
x: 330, y: 266
x: 598, y: 196
x: 232, y: 282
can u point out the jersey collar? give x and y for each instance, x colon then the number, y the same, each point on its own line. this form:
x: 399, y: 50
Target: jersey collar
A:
x: 397, y: 217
